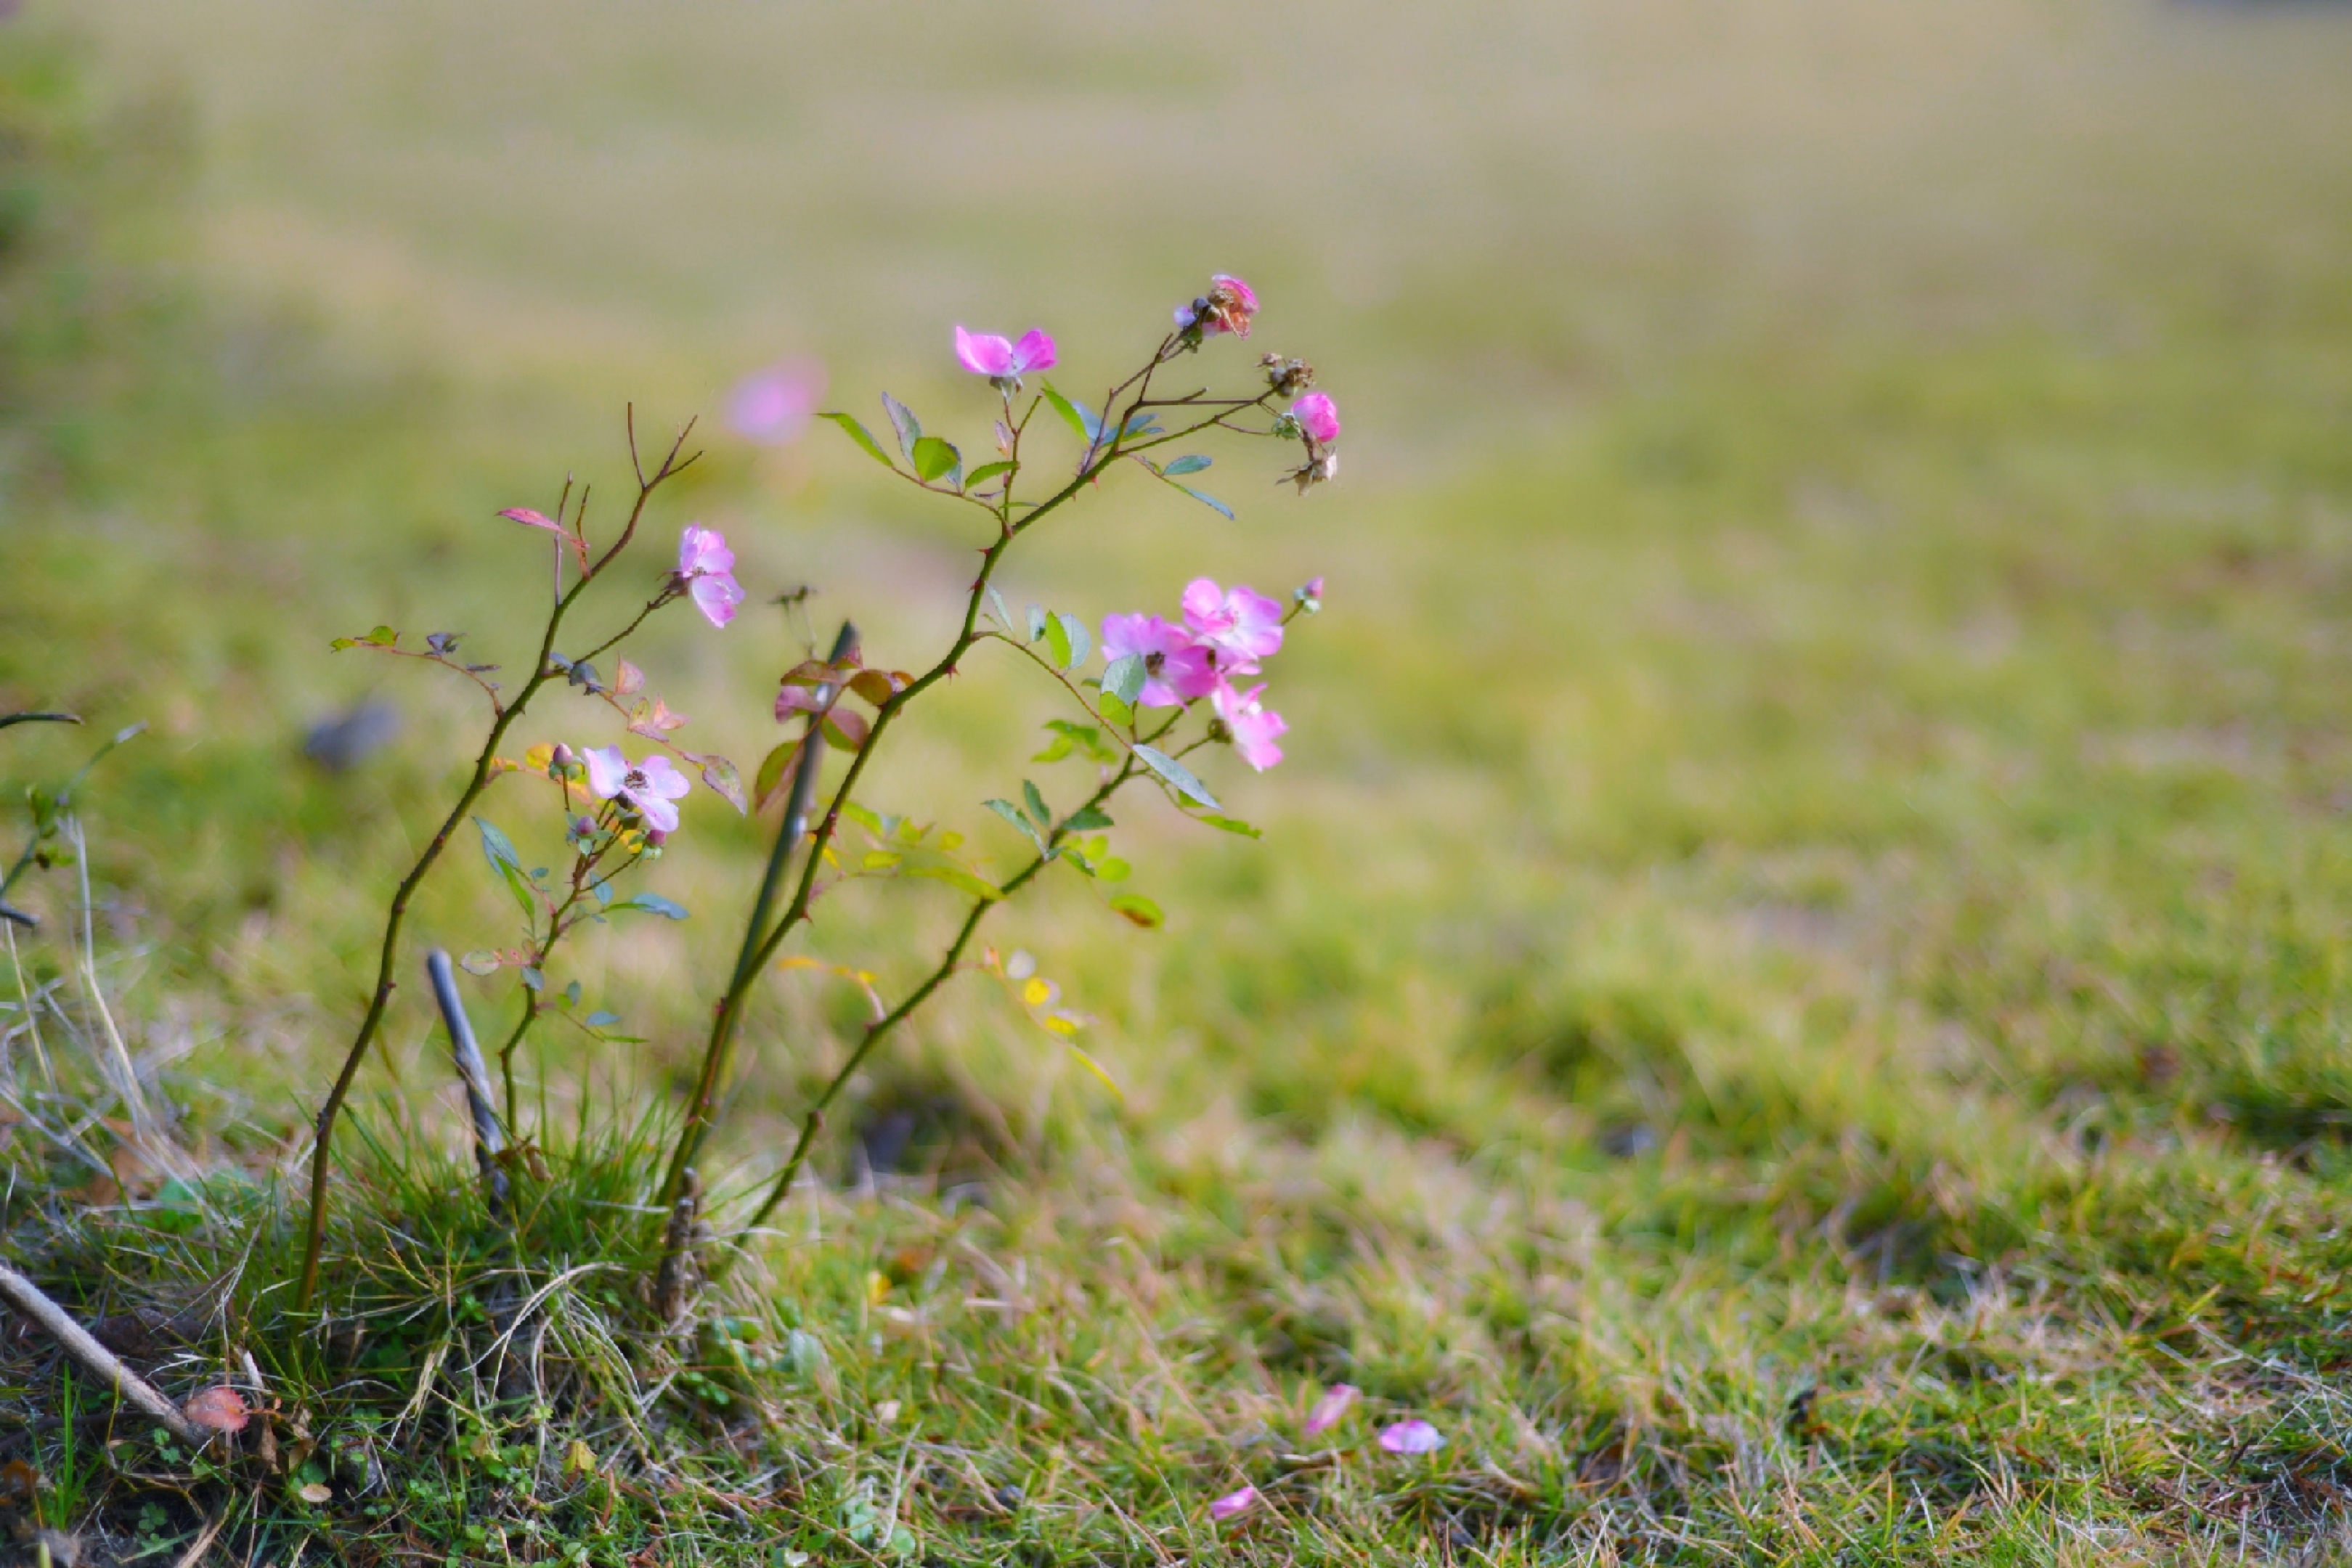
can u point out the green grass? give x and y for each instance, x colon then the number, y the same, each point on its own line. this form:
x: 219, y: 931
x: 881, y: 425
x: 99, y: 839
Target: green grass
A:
x: 1793, y: 999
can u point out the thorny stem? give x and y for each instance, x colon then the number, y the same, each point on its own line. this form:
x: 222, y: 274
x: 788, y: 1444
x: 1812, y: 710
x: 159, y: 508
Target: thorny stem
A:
x: 541, y: 672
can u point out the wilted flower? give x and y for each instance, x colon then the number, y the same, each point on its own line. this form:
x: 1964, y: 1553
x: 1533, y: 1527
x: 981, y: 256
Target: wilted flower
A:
x: 1227, y: 307
x: 1331, y: 1408
x: 1413, y: 1436
x: 1241, y: 626
x: 1234, y: 1503
x: 1251, y: 726
x: 1176, y: 668
x: 1319, y: 416
x: 1321, y: 468
x: 647, y: 787
x: 1288, y: 376
x: 985, y: 354
x: 771, y: 406
x: 705, y: 567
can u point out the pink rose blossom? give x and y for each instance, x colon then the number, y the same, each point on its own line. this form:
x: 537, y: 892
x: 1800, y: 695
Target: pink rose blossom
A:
x: 771, y: 406
x: 1253, y: 725
x: 1333, y: 1406
x: 1234, y: 1503
x: 1176, y: 668
x: 647, y: 787
x: 985, y: 354
x: 1414, y: 1437
x: 1242, y: 625
x: 1319, y: 416
x: 707, y: 567
x: 1227, y: 307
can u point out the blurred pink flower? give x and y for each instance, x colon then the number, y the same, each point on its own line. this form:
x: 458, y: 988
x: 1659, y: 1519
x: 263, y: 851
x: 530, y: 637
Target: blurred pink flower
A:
x: 985, y: 354
x: 1328, y: 1410
x: 771, y: 406
x: 1319, y: 416
x: 1176, y: 668
x: 1227, y: 307
x: 647, y: 787
x: 707, y: 567
x: 1253, y: 725
x: 1414, y: 1437
x: 1234, y: 1503
x: 1242, y: 624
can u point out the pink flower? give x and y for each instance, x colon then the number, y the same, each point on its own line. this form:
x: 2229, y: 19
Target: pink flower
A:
x: 1319, y: 416
x: 1227, y: 307
x: 1176, y: 669
x: 1331, y: 1408
x: 771, y: 406
x: 1253, y: 726
x: 1414, y: 1437
x: 985, y: 354
x: 707, y: 567
x: 1242, y: 626
x: 1234, y: 1503
x: 646, y: 788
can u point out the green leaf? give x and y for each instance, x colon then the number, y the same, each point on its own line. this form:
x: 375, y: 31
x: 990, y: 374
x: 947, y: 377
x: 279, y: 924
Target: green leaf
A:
x: 772, y: 769
x: 1208, y: 500
x: 1057, y: 641
x: 1231, y: 825
x: 1012, y: 814
x: 533, y: 978
x: 1037, y: 811
x: 653, y: 904
x: 382, y: 637
x: 844, y: 730
x: 957, y: 877
x: 1123, y: 678
x: 860, y: 434
x: 1077, y: 415
x: 863, y: 818
x: 1113, y: 870
x: 1190, y: 463
x: 984, y: 473
x: 601, y: 1019
x: 1177, y: 774
x: 724, y: 782
x: 903, y: 421
x: 572, y: 995
x: 1140, y: 910
x: 934, y: 458
x: 1081, y: 642
x: 1087, y: 819
x: 497, y: 848
x: 1118, y: 712
x: 340, y: 643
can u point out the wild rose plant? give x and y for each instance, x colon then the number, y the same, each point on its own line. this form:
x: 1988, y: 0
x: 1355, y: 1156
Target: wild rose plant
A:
x: 1151, y: 698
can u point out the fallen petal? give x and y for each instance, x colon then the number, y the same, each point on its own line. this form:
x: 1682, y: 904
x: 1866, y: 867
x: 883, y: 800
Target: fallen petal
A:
x: 1331, y: 1408
x: 218, y: 1409
x: 1413, y: 1436
x: 1234, y: 1503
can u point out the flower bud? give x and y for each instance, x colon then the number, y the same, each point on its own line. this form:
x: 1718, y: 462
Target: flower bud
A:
x: 559, y: 762
x: 1310, y: 598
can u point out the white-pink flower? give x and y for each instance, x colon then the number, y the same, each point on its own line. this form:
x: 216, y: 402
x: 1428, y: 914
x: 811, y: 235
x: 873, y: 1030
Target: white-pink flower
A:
x: 707, y: 567
x: 647, y: 787
x: 1242, y: 625
x: 986, y: 354
x: 1413, y: 1436
x: 773, y: 406
x: 1319, y: 416
x: 1176, y: 668
x: 1233, y: 1504
x: 1333, y: 1406
x: 1253, y: 725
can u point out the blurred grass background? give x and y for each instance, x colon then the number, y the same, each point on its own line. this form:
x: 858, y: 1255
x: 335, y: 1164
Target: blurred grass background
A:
x: 1826, y: 741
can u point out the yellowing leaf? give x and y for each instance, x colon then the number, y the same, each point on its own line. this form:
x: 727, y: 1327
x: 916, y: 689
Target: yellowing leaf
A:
x: 580, y: 1460
x: 879, y: 860
x: 538, y: 758
x: 877, y: 1286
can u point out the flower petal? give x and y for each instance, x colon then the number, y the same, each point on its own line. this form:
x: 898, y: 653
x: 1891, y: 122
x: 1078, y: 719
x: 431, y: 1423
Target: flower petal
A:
x: 1035, y: 351
x: 606, y: 768
x: 1412, y: 1437
x: 1234, y: 1503
x: 1333, y: 1406
x: 984, y: 353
